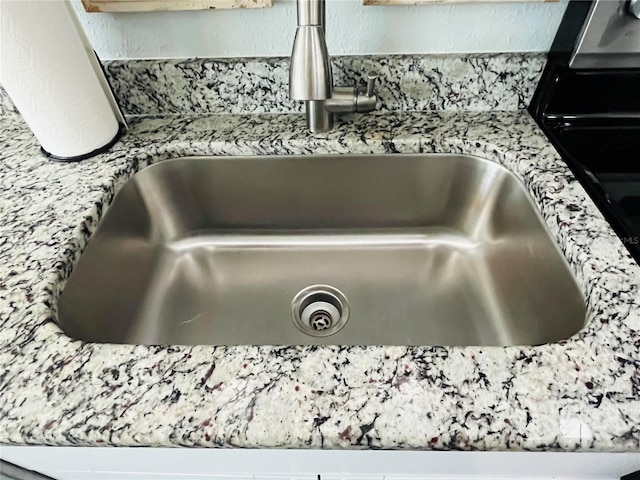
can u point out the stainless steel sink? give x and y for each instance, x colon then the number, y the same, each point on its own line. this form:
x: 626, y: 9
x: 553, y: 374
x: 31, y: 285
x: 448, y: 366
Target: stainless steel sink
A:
x: 385, y: 249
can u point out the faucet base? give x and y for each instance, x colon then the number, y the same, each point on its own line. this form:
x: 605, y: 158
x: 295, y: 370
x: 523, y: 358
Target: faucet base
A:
x: 319, y: 120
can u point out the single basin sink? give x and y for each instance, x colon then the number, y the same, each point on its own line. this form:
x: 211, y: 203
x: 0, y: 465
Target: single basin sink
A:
x: 348, y: 250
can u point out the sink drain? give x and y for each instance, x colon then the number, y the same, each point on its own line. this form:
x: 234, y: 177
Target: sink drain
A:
x: 320, y: 310
x: 320, y: 320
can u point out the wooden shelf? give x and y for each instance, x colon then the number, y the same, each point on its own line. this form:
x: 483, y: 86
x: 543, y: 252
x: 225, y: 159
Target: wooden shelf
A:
x: 432, y: 2
x: 159, y: 5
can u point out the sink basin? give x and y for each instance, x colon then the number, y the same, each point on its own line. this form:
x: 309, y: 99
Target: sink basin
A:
x: 358, y: 249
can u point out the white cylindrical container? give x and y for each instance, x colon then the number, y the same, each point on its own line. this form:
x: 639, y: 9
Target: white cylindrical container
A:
x: 50, y: 75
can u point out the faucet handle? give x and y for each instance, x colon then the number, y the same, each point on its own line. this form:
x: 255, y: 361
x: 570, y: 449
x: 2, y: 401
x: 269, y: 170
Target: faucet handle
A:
x: 366, y: 102
x: 371, y: 83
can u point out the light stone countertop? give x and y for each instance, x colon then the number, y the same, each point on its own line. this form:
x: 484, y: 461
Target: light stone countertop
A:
x: 582, y: 394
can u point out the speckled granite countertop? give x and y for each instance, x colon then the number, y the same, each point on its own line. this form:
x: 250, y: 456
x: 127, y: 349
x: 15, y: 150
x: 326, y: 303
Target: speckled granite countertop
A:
x: 581, y: 394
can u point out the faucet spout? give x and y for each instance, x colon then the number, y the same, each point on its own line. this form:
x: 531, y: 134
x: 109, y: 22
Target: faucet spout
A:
x: 310, y: 76
x: 311, y: 12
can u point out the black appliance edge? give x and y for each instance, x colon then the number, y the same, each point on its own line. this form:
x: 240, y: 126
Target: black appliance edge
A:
x: 551, y: 115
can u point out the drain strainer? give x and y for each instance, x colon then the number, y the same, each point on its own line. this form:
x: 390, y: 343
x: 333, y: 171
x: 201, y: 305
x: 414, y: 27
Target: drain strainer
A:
x: 320, y: 310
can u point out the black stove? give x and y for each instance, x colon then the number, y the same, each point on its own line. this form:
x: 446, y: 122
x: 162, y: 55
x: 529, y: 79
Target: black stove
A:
x: 592, y: 117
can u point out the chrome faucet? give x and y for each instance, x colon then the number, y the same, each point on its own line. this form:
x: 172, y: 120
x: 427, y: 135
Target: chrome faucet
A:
x: 310, y: 77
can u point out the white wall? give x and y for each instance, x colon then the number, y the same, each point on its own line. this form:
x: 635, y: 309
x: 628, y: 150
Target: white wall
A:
x: 351, y: 29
